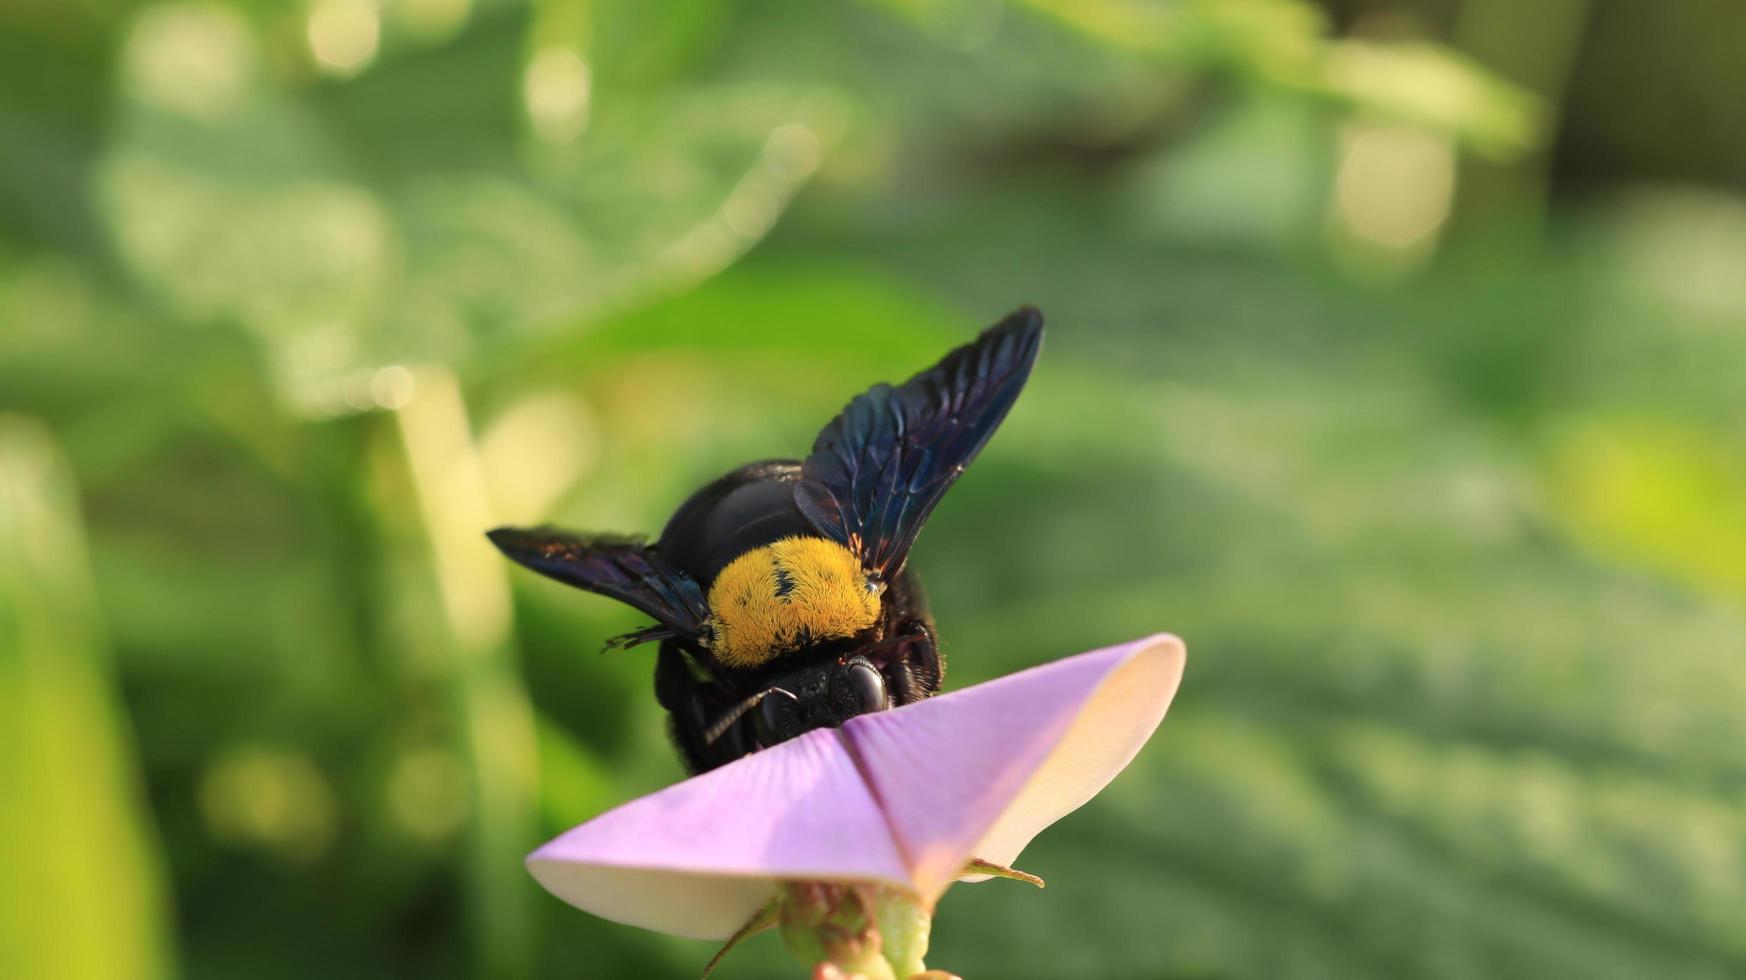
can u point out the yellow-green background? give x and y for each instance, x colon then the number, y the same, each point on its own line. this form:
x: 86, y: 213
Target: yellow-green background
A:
x: 1395, y: 361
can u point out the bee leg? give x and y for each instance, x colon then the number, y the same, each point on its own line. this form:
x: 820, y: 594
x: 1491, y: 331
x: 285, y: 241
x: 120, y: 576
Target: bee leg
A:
x: 692, y: 703
x: 977, y: 866
x: 917, y: 674
x: 763, y: 919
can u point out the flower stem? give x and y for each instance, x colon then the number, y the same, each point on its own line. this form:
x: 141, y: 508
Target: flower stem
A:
x: 870, y: 931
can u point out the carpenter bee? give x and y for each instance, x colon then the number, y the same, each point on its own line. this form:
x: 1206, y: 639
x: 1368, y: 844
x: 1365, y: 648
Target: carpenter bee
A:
x: 780, y: 593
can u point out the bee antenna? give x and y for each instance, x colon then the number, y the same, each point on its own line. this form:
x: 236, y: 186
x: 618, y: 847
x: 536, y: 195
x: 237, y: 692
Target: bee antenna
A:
x: 738, y: 711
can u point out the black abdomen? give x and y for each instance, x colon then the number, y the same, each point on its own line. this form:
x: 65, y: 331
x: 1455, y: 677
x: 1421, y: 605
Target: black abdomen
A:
x: 750, y: 507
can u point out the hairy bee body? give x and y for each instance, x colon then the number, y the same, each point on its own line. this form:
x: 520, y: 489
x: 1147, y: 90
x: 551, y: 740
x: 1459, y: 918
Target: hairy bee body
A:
x: 781, y: 592
x: 743, y: 511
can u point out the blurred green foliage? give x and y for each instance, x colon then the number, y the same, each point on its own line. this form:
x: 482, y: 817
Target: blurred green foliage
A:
x: 1387, y: 366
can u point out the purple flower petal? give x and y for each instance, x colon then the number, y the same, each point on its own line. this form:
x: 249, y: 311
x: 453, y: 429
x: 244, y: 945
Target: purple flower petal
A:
x: 979, y: 772
x: 698, y: 858
x: 903, y: 797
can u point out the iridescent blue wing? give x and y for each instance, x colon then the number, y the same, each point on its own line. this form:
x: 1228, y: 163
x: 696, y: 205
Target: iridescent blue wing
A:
x: 618, y: 567
x: 879, y: 468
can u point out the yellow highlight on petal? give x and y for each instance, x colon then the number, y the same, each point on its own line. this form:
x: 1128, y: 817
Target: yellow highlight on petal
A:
x: 785, y: 595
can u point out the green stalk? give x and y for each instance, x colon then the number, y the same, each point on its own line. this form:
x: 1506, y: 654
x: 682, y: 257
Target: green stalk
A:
x: 493, y: 715
x: 82, y: 893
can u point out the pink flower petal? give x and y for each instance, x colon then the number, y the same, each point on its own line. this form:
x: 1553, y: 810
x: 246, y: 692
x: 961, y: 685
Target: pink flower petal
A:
x: 979, y: 772
x: 1110, y: 729
x: 904, y: 797
x: 700, y: 857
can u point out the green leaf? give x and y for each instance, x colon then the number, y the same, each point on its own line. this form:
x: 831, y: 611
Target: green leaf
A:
x: 83, y: 895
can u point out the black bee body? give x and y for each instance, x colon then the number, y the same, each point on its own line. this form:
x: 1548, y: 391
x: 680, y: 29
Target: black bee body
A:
x: 746, y: 509
x: 780, y: 592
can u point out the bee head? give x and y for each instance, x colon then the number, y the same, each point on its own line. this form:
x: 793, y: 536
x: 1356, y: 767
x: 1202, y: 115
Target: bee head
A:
x: 823, y: 693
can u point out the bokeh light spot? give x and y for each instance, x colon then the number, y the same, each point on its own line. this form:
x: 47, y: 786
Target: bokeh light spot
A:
x: 536, y: 450
x: 791, y: 152
x: 194, y: 59
x: 556, y: 89
x: 1395, y: 185
x: 271, y: 798
x: 392, y: 387
x: 344, y: 34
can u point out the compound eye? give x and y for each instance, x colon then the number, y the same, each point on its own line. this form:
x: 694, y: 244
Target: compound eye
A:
x: 866, y: 686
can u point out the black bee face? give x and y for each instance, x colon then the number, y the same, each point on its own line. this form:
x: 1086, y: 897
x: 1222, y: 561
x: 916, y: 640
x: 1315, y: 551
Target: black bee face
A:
x: 823, y: 694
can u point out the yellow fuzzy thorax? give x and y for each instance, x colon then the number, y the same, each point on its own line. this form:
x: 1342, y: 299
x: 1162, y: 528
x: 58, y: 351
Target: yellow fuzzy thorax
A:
x: 788, y: 594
